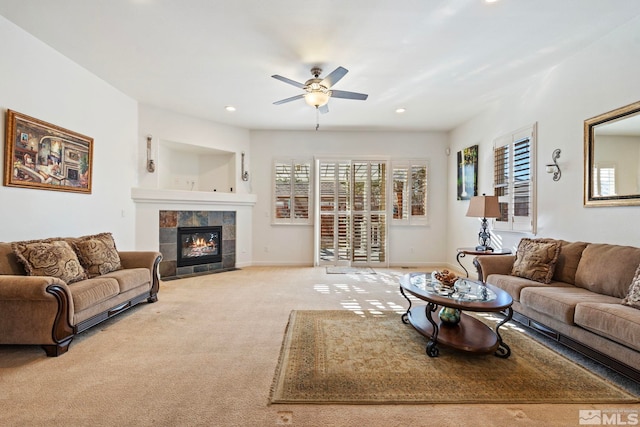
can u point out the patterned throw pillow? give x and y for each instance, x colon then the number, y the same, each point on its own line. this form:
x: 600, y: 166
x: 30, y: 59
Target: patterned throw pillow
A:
x: 633, y: 296
x: 98, y: 254
x: 49, y: 257
x: 536, y: 259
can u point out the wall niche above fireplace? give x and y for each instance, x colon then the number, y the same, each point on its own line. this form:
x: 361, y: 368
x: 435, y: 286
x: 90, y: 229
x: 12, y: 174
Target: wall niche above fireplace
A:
x: 195, y: 168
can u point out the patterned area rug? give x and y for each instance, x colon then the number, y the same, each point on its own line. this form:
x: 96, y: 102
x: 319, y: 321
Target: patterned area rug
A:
x: 353, y: 358
x: 350, y: 270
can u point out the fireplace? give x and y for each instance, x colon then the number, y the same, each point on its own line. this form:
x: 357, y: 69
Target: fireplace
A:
x: 199, y: 245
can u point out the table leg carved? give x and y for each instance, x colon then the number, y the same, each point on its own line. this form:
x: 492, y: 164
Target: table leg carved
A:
x: 405, y: 316
x: 432, y: 350
x: 503, y: 349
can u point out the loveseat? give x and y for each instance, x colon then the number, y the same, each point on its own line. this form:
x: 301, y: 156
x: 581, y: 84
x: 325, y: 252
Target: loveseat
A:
x: 587, y: 298
x: 53, y: 289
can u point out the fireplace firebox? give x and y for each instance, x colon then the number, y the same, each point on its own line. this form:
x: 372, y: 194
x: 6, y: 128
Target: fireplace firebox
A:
x: 199, y: 245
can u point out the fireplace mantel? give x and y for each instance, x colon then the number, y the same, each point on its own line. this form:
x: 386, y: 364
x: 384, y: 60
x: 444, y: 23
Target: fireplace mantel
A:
x: 164, y: 197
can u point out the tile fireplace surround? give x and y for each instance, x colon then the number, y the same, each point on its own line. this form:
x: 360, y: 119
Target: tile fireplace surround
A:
x: 169, y: 223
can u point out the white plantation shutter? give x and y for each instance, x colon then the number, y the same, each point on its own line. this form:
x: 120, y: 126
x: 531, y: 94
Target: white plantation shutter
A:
x: 400, y: 192
x: 292, y: 192
x: 352, y: 227
x: 409, y: 194
x: 513, y: 180
x: 301, y: 190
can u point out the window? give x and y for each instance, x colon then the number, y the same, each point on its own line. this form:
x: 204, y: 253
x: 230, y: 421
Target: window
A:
x: 514, y: 180
x: 292, y: 192
x: 409, y: 192
x: 604, y: 179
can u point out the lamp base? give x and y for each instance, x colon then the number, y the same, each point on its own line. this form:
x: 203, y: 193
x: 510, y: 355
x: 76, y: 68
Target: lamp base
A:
x: 484, y: 248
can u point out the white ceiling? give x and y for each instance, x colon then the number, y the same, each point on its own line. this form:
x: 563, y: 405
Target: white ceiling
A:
x: 442, y: 60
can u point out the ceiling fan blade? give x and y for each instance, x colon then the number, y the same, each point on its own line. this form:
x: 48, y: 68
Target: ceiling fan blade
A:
x: 334, y: 77
x: 348, y: 95
x: 323, y: 109
x: 293, y: 98
x: 291, y: 82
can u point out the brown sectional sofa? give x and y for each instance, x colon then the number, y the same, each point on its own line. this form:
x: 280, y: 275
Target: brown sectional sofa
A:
x: 581, y: 305
x: 47, y: 311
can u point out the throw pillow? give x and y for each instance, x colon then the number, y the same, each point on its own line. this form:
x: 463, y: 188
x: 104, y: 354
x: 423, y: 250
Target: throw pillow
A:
x: 536, y: 259
x: 49, y: 257
x: 633, y: 296
x: 98, y: 254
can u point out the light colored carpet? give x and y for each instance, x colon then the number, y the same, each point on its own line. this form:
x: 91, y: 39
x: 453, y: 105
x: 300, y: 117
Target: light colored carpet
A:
x: 205, y: 355
x: 350, y: 270
x: 336, y: 356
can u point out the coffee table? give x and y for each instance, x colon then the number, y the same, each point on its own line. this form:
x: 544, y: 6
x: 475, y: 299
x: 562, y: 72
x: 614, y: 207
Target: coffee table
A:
x: 468, y: 333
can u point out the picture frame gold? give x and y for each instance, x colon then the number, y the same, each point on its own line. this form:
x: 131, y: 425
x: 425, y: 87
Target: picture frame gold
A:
x: 43, y: 156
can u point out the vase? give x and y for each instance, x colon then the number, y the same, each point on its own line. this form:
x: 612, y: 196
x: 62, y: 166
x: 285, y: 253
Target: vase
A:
x: 450, y: 315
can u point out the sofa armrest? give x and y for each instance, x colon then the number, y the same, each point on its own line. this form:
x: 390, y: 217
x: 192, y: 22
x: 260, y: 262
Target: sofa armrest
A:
x: 493, y: 264
x: 144, y: 259
x: 28, y: 288
x: 36, y: 310
x: 139, y: 259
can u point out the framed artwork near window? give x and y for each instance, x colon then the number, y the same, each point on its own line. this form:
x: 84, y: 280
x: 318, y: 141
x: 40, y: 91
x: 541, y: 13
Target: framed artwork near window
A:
x: 44, y: 156
x: 468, y: 173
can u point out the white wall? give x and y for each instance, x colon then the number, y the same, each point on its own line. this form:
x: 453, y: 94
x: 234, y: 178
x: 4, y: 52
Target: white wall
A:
x: 38, y: 81
x: 293, y: 244
x: 596, y: 80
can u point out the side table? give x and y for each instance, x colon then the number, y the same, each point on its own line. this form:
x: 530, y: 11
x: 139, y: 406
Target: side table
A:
x: 462, y: 252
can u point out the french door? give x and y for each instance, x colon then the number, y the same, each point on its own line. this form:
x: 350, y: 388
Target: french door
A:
x: 351, y: 217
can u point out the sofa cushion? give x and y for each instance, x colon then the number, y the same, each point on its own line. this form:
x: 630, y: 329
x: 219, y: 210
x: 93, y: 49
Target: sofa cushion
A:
x: 568, y: 260
x: 131, y: 278
x: 50, y: 257
x: 98, y: 254
x: 536, y: 259
x: 87, y: 293
x: 9, y: 263
x: 607, y: 269
x: 632, y: 299
x: 513, y: 285
x: 614, y: 321
x: 560, y: 302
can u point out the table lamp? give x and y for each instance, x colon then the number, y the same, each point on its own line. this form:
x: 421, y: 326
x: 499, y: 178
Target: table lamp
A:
x: 484, y: 207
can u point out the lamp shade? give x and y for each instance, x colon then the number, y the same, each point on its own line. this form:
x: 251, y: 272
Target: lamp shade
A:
x: 316, y: 98
x: 484, y: 207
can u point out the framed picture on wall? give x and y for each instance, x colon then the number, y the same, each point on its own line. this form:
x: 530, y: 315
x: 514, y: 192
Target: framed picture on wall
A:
x: 468, y: 173
x: 44, y: 156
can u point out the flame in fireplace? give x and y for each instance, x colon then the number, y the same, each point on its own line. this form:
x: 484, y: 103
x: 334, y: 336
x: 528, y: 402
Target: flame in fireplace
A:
x: 199, y: 246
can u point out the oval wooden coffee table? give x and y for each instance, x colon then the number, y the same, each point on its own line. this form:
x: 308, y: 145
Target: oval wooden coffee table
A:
x: 468, y: 334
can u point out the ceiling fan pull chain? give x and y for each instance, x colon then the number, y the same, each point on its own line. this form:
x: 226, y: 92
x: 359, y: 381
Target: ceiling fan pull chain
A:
x: 317, y: 117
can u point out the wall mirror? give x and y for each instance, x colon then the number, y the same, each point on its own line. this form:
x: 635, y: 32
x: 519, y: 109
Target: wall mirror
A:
x: 612, y: 158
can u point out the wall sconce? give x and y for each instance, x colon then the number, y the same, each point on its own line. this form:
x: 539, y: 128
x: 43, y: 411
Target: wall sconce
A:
x: 151, y: 167
x: 553, y: 167
x: 245, y: 174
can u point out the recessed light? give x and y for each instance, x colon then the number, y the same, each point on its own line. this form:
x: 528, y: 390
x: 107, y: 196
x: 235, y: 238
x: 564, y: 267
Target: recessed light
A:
x: 400, y: 110
x: 490, y: 1
x: 230, y: 108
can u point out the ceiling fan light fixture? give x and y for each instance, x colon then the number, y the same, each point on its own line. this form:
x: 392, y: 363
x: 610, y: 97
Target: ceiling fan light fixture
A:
x: 316, y: 98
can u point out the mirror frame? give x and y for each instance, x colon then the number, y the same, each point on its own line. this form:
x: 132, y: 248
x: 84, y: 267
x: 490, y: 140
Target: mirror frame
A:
x: 589, y: 125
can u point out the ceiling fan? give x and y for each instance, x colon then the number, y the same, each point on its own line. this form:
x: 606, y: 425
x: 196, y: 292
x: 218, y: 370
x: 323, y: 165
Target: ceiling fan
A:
x: 318, y: 91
